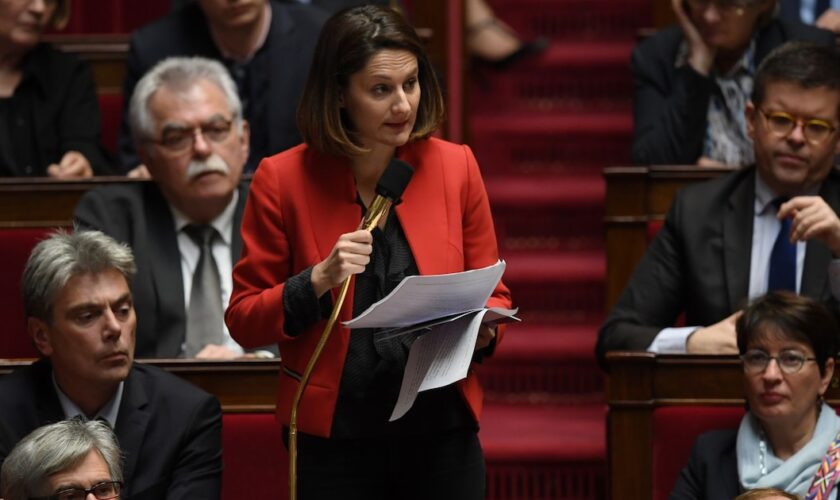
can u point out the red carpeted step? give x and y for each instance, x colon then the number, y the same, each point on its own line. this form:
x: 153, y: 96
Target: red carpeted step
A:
x: 573, y: 76
x: 567, y: 143
x: 547, y: 212
x: 557, y: 287
x: 540, y: 362
x: 537, y: 452
x: 575, y: 19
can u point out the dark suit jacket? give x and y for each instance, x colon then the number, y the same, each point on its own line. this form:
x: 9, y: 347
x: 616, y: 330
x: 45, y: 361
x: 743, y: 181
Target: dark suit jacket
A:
x: 137, y: 214
x: 169, y: 431
x: 670, y: 103
x: 699, y: 263
x: 712, y: 470
x: 291, y: 43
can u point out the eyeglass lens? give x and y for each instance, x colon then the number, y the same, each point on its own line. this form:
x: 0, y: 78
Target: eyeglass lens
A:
x: 789, y: 361
x: 813, y: 130
x: 103, y: 491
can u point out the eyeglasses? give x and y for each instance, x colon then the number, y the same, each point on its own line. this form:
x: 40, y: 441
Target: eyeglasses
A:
x: 756, y: 361
x: 180, y: 139
x: 106, y: 490
x: 814, y: 129
x: 724, y: 6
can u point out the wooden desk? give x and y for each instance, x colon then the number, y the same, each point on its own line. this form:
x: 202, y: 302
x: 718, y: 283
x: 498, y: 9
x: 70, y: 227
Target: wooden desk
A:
x: 248, y: 386
x: 45, y: 202
x: 642, y: 382
x: 636, y: 196
x: 105, y: 53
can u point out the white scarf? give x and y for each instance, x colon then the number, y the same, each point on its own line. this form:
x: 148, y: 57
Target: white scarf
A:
x: 793, y: 475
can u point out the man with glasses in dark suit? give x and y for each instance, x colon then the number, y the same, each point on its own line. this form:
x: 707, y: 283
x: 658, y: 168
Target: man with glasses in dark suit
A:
x: 766, y: 227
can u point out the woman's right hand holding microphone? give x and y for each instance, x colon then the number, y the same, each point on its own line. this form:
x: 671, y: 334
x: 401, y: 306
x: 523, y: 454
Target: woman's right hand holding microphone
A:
x: 350, y: 255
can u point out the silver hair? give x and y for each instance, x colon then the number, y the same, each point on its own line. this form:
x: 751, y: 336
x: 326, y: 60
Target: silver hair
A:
x: 179, y: 74
x: 52, y: 449
x: 64, y: 255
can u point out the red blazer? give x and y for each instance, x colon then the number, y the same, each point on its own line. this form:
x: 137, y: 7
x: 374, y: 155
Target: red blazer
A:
x: 300, y: 203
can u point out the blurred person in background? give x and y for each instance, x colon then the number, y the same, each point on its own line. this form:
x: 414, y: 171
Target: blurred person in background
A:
x: 266, y: 45
x: 693, y: 80
x: 49, y: 114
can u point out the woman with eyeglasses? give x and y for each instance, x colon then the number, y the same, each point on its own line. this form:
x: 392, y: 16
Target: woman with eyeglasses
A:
x: 692, y: 80
x: 787, y: 344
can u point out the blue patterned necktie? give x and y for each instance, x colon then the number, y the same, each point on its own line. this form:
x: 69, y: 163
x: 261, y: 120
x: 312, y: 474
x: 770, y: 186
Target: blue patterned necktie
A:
x: 782, y: 273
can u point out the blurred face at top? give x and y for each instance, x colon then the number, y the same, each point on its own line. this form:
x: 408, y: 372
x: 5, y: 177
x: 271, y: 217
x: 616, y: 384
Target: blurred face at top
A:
x: 381, y: 99
x: 232, y: 14
x: 727, y: 25
x: 23, y: 21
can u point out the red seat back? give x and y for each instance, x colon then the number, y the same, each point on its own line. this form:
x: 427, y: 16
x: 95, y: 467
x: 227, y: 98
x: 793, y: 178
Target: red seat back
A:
x: 653, y: 227
x: 256, y: 462
x: 15, y: 247
x: 675, y: 429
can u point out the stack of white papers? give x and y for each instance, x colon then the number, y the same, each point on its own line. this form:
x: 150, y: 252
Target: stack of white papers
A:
x: 446, y: 311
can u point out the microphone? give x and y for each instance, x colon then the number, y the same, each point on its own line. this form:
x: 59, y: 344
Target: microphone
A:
x: 389, y: 190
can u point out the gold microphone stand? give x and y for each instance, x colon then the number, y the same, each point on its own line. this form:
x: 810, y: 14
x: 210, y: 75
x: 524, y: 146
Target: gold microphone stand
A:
x: 378, y: 208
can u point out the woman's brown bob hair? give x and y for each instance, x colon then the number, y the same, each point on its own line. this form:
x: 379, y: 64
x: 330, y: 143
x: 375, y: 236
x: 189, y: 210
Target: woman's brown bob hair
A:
x: 347, y: 42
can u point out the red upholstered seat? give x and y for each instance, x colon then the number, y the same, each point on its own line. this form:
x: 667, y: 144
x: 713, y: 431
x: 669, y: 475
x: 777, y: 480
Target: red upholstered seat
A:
x: 110, y: 113
x: 255, y: 460
x: 653, y: 227
x: 15, y: 246
x: 674, y: 431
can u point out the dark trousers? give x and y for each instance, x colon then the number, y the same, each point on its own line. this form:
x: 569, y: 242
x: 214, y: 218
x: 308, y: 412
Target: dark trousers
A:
x: 438, y: 467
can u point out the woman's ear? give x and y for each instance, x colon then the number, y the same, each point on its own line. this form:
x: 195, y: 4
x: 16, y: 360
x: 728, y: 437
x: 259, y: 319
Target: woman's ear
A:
x: 828, y: 374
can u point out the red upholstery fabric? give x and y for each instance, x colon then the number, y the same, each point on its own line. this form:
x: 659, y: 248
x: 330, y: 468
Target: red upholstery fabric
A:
x: 255, y: 460
x: 674, y: 431
x: 15, y: 246
x: 110, y: 114
x: 653, y: 227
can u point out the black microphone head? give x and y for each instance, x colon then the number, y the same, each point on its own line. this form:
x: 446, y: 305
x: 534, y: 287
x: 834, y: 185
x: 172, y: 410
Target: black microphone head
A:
x: 394, y: 180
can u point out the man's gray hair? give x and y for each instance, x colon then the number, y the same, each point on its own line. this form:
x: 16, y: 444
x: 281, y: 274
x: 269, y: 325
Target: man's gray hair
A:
x: 179, y: 74
x: 52, y: 449
x: 64, y: 255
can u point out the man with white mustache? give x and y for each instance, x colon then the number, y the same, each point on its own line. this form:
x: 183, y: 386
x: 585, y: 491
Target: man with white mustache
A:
x: 188, y: 129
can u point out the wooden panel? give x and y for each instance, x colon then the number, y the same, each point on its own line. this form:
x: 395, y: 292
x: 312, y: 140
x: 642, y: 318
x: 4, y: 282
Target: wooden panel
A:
x: 45, y: 202
x: 440, y: 23
x: 105, y: 53
x: 636, y: 196
x: 248, y: 386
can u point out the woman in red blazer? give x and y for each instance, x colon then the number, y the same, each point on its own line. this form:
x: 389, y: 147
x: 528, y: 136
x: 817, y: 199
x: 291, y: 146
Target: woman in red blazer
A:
x: 371, y: 96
